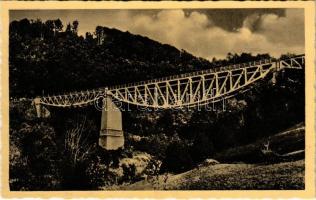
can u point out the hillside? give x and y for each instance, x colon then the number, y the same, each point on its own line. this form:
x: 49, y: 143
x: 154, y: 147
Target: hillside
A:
x: 287, y: 175
x: 59, y: 61
x: 290, y: 140
x: 284, y: 173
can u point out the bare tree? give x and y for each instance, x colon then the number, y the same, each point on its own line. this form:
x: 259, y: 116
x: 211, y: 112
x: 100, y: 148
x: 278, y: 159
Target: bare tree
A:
x: 77, y: 144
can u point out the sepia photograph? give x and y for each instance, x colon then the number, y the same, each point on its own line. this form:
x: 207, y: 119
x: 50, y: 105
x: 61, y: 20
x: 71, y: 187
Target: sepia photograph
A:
x: 157, y: 99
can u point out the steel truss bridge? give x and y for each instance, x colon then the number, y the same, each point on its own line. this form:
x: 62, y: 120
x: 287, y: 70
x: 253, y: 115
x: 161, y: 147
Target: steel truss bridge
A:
x: 184, y: 90
x: 190, y: 89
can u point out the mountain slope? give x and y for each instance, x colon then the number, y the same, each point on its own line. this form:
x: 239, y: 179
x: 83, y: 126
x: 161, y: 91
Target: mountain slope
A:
x: 287, y: 172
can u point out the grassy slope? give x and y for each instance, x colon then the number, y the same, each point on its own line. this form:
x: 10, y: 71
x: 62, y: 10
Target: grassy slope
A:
x: 289, y: 175
x: 289, y: 140
x: 286, y: 175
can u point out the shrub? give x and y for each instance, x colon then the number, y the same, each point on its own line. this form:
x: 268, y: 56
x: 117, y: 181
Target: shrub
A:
x: 202, y: 148
x: 178, y: 158
x: 33, y: 154
x: 100, y: 175
x: 155, y: 145
x: 129, y: 173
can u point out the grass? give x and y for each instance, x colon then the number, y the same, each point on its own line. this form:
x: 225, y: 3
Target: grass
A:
x: 236, y: 175
x: 289, y: 175
x: 242, y: 176
x: 292, y: 139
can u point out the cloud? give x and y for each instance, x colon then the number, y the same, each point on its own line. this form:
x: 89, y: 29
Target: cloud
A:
x: 201, y: 32
x: 287, y: 30
x: 196, y: 33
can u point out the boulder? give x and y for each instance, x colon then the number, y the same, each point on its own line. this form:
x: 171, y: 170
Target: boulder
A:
x: 208, y: 162
x: 140, y: 160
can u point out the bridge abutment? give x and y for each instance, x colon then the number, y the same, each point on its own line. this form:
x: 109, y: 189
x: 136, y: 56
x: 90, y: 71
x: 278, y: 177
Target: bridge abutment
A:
x: 38, y: 107
x: 111, y: 133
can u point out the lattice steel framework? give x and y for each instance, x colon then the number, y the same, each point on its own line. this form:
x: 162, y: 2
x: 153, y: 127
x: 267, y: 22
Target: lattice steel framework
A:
x: 187, y: 89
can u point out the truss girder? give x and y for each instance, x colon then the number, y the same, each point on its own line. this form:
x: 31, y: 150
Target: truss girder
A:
x: 187, y: 89
x: 75, y: 99
x: 297, y: 62
x: 191, y: 90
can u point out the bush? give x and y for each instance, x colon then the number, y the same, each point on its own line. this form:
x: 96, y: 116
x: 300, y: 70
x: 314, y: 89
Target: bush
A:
x: 155, y: 144
x: 129, y: 173
x: 100, y: 175
x: 178, y: 158
x: 33, y: 153
x: 202, y: 148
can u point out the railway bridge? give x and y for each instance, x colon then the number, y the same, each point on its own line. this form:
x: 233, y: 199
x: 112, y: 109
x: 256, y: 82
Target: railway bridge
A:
x: 184, y: 90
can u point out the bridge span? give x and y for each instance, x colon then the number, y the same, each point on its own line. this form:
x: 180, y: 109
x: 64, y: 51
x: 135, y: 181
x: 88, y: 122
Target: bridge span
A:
x: 184, y: 90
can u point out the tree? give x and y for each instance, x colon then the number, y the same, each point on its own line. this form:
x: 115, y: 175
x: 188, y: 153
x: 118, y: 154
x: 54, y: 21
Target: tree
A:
x: 37, y: 29
x: 98, y: 33
x: 229, y: 56
x: 89, y: 37
x: 202, y: 147
x: 177, y: 158
x: 75, y: 25
x: 76, y: 144
x: 50, y: 25
x: 33, y: 151
x: 58, y: 25
x: 68, y: 29
x: 287, y: 56
x: 78, y: 147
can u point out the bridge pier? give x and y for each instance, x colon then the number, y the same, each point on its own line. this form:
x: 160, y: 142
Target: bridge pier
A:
x: 41, y: 111
x: 111, y: 133
x: 274, y: 74
x: 38, y: 107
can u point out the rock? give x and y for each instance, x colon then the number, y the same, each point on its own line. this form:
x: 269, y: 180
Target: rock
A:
x: 139, y: 159
x: 136, y: 138
x: 209, y: 161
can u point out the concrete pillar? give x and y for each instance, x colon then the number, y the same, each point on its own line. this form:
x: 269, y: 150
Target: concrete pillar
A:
x: 41, y: 111
x: 111, y: 134
x: 38, y: 107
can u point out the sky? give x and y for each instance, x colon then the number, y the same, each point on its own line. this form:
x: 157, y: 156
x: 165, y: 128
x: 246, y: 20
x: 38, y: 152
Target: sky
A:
x: 205, y: 33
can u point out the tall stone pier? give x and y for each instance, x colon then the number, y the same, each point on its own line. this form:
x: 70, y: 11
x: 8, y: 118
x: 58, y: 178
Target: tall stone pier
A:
x: 111, y: 133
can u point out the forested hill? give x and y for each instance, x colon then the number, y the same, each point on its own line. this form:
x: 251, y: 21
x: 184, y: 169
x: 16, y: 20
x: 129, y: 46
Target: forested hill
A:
x: 43, y: 57
x: 46, y: 57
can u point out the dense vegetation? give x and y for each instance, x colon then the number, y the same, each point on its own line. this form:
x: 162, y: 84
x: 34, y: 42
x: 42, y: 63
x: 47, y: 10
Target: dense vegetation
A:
x: 58, y: 61
x: 44, y: 58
